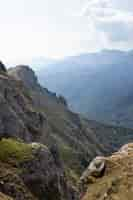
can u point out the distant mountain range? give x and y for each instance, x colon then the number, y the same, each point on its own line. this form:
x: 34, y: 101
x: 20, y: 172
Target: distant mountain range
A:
x: 99, y: 85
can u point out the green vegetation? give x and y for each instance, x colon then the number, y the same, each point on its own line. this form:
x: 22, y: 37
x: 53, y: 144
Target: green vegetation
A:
x: 72, y: 176
x: 14, y: 150
x: 66, y: 153
x: 71, y: 159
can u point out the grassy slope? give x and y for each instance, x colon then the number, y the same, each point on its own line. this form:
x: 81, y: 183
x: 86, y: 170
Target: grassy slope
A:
x: 117, y: 182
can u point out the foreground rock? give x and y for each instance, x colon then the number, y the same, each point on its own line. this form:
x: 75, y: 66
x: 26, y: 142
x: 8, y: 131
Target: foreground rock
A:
x: 115, y: 182
x: 30, y: 171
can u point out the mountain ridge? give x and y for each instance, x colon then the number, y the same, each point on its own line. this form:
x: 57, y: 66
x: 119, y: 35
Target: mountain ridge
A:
x: 44, y: 146
x: 94, y: 84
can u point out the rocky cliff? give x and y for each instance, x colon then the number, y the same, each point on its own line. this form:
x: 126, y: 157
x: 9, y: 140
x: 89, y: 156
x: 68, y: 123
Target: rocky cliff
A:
x: 45, y: 147
x: 28, y: 170
x: 60, y: 127
x: 77, y: 139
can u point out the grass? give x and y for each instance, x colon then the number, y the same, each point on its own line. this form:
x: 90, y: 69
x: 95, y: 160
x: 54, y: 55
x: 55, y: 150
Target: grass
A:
x: 72, y: 164
x: 14, y: 150
x: 72, y: 176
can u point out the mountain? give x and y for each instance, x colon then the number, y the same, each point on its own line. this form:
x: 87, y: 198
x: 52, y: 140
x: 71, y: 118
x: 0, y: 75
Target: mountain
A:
x: 28, y: 170
x: 45, y: 147
x: 76, y: 137
x: 98, y: 85
x: 59, y: 126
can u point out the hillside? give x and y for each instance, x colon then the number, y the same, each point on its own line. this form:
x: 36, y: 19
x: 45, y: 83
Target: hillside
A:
x: 69, y: 128
x: 59, y: 126
x: 109, y: 177
x: 78, y: 140
x: 45, y: 147
x: 98, y: 85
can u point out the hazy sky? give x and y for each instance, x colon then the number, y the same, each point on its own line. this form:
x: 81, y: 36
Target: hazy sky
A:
x: 58, y: 28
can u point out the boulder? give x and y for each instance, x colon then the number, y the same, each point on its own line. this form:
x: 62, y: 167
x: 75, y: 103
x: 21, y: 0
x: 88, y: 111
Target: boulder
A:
x: 32, y: 173
x: 94, y: 170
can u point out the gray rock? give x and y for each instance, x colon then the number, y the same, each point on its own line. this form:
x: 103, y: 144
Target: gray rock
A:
x: 45, y: 178
x: 96, y: 167
x: 94, y: 170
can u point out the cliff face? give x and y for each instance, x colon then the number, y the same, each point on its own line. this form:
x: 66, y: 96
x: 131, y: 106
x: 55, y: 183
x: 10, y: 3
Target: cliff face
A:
x: 109, y: 177
x: 79, y: 140
x: 76, y: 142
x: 17, y: 113
x: 28, y: 170
x: 30, y: 115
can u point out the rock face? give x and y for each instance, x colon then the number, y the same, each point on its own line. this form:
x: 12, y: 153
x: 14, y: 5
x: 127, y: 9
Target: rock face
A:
x: 45, y: 178
x: 117, y: 180
x: 17, y: 113
x: 46, y: 118
x: 29, y: 172
x: 29, y: 77
x: 35, y: 115
x: 77, y: 143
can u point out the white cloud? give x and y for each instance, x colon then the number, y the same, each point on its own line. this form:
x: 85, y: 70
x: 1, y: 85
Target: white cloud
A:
x: 115, y: 22
x: 50, y: 28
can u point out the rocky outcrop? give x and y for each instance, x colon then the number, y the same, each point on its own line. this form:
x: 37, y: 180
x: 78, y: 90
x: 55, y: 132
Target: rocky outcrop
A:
x: 17, y: 115
x: 45, y: 177
x: 30, y: 172
x: 115, y: 182
x: 30, y: 80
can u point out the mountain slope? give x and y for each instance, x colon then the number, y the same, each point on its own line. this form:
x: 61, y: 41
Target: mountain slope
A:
x: 116, y: 179
x: 95, y: 84
x: 44, y: 147
x: 78, y: 139
x: 59, y: 127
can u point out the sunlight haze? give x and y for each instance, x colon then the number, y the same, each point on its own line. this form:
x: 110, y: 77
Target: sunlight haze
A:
x: 59, y: 28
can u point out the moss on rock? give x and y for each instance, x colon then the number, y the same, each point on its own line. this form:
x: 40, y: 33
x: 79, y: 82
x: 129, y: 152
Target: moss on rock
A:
x: 14, y: 150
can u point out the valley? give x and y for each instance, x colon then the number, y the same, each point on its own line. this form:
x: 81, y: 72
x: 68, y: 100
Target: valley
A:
x: 45, y: 147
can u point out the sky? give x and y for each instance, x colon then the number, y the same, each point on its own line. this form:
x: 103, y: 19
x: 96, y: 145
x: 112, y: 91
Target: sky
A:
x: 59, y: 28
